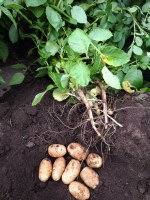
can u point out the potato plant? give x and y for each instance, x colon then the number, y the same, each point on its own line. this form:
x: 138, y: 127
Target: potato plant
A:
x: 85, y: 47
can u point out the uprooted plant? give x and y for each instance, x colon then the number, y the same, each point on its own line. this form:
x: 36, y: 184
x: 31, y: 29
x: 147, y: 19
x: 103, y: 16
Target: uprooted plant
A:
x: 80, y: 57
x: 80, y: 48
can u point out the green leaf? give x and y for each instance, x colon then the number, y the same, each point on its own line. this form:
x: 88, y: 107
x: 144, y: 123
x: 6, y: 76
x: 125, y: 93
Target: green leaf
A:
x: 121, y: 43
x: 137, y: 50
x: 43, y: 53
x: 99, y: 34
x: 54, y: 18
x: 100, y: 1
x: 1, y: 2
x: 34, y: 3
x: 17, y: 78
x: 117, y: 36
x: 138, y: 41
x: 146, y: 7
x: 120, y: 75
x: 8, y: 14
x: 134, y: 77
x: 37, y: 11
x: 81, y: 74
x: 51, y: 47
x: 145, y: 60
x: 39, y: 96
x: 85, y: 6
x: 41, y: 71
x: 79, y: 14
x: 19, y: 66
x: 114, y: 56
x: 79, y: 41
x: 112, y: 18
x: 68, y: 65
x: 64, y: 80
x: 3, y: 51
x: 111, y: 80
x: 97, y: 66
x: 13, y: 5
x: 56, y: 78
x: 59, y: 95
x: 1, y: 80
x: 132, y: 9
x: 13, y: 34
x: 144, y: 90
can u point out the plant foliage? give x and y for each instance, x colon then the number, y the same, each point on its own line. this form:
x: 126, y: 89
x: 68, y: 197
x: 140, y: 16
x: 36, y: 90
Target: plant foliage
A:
x: 80, y: 42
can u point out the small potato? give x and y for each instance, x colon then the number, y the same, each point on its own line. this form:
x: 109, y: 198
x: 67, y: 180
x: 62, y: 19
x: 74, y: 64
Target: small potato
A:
x: 90, y: 177
x: 57, y: 150
x: 71, y: 172
x: 58, y: 168
x: 94, y: 160
x: 77, y: 151
x: 79, y: 191
x: 45, y: 169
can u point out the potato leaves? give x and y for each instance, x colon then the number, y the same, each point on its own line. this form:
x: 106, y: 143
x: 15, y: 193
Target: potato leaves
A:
x: 59, y: 95
x: 17, y: 78
x: 81, y: 74
x: 39, y: 96
x: 79, y: 14
x: 79, y: 41
x: 134, y: 77
x: 34, y: 3
x: 114, y: 56
x: 111, y: 80
x: 54, y: 18
x: 99, y: 34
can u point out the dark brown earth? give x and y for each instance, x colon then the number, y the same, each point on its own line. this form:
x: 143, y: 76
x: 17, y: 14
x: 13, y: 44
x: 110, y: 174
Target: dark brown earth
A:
x: 26, y: 132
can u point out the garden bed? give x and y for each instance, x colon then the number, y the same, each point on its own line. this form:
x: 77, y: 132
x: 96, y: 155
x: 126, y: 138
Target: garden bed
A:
x: 26, y: 132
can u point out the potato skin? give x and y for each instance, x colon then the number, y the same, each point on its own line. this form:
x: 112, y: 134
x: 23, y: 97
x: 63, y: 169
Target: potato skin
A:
x: 57, y: 150
x: 45, y: 169
x: 90, y: 177
x: 94, y: 160
x: 79, y: 191
x: 58, y: 168
x: 77, y: 151
x: 71, y: 172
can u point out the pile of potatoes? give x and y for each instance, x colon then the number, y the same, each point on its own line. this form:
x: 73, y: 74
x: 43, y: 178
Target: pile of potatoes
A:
x: 68, y: 173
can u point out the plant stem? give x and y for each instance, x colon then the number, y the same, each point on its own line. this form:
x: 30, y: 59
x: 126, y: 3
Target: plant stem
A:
x: 58, y: 3
x: 91, y: 118
x: 104, y: 102
x: 98, y: 51
x: 95, y: 21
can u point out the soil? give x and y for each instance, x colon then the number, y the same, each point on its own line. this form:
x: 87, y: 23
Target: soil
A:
x: 26, y: 132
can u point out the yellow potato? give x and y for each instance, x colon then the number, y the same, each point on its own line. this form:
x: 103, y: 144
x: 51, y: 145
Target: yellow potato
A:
x: 71, y: 172
x: 94, y: 160
x: 58, y: 168
x: 90, y: 177
x: 79, y: 191
x: 57, y: 150
x: 77, y: 151
x: 45, y: 169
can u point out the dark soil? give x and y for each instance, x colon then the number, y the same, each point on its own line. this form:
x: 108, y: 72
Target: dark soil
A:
x: 26, y: 132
